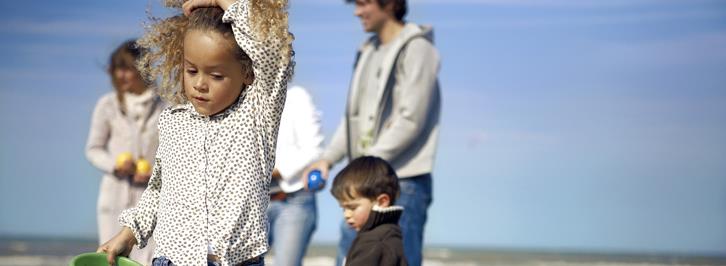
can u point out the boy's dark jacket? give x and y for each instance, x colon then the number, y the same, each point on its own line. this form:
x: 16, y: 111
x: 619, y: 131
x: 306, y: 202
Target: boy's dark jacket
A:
x: 379, y: 240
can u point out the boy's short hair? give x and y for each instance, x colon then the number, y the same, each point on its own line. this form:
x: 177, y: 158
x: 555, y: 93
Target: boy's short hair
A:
x: 367, y: 177
x: 399, y: 7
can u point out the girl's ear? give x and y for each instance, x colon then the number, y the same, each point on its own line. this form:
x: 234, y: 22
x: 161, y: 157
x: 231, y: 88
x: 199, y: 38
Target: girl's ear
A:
x: 383, y: 200
x: 249, y: 78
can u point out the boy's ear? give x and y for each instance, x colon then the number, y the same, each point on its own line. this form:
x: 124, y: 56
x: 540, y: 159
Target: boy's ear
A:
x: 383, y: 200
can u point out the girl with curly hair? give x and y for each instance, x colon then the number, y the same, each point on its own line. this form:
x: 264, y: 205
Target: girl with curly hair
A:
x: 224, y: 65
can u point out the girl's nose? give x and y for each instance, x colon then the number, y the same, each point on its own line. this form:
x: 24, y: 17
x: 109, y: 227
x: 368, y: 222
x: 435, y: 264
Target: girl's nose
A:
x: 200, y: 85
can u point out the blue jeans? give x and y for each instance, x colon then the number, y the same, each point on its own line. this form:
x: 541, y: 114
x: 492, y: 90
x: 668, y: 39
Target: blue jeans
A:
x: 415, y: 197
x: 163, y: 261
x: 292, y: 223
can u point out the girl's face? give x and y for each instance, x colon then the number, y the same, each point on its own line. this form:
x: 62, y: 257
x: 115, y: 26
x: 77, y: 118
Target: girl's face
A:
x: 213, y: 78
x: 127, y: 78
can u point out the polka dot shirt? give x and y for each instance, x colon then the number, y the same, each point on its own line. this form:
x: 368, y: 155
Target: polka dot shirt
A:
x: 210, y: 182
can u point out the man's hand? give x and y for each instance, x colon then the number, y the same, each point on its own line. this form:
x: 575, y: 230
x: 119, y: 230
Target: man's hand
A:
x: 322, y: 165
x: 276, y: 174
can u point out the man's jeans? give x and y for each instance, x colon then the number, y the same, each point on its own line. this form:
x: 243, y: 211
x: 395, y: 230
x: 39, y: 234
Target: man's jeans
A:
x: 415, y: 197
x: 292, y: 223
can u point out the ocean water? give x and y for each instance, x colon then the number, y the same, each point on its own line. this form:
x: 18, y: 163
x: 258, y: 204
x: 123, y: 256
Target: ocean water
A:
x: 52, y: 252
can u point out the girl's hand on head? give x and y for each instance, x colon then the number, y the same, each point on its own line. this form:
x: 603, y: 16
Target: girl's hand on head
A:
x: 190, y: 5
x: 119, y: 245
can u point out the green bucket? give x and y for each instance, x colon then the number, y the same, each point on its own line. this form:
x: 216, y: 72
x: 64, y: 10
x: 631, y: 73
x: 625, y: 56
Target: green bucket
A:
x: 99, y: 259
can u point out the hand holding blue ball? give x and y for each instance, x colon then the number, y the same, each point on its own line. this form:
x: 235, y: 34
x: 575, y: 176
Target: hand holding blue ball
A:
x: 315, y: 180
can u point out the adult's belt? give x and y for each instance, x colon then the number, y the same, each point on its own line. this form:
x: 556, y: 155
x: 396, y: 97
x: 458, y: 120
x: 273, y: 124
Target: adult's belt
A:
x: 278, y: 196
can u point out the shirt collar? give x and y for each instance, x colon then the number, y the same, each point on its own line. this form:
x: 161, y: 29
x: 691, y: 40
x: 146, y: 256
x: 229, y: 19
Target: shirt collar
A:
x: 382, y: 215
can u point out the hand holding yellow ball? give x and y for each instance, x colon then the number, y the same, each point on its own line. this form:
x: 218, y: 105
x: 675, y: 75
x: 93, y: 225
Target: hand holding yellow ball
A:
x: 143, y: 166
x: 125, y: 167
x: 122, y: 158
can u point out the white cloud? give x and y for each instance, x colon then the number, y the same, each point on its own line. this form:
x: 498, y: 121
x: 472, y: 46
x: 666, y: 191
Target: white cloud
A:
x: 532, y: 3
x: 696, y: 49
x: 76, y: 27
x: 477, y: 137
x: 555, y: 3
x: 583, y: 20
x: 317, y: 27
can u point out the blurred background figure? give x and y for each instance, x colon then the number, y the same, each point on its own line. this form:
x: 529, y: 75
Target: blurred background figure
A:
x: 392, y: 113
x: 122, y: 139
x: 293, y: 211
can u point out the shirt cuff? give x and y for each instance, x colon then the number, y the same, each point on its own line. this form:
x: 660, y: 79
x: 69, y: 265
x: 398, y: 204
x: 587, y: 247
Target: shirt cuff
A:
x: 127, y: 219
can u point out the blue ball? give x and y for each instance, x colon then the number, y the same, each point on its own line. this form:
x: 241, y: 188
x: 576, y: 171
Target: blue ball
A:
x: 315, y: 180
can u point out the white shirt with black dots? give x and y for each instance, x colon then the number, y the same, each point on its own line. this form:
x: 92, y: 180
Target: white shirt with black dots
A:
x: 211, y: 175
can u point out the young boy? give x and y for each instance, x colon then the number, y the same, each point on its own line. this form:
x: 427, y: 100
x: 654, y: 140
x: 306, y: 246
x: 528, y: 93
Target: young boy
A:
x: 367, y: 189
x: 392, y: 112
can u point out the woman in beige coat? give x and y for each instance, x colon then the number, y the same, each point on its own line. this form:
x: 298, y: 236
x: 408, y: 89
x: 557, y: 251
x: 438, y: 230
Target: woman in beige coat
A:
x: 122, y: 142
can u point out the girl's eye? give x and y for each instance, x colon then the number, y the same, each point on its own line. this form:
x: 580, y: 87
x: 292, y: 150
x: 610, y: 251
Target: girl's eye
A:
x: 191, y: 71
x: 217, y: 77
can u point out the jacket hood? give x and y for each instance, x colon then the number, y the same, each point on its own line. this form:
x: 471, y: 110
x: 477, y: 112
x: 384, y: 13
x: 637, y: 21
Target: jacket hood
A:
x: 411, y: 30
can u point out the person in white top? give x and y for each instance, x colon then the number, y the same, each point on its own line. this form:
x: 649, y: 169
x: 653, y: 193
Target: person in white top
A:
x: 292, y: 211
x: 124, y: 122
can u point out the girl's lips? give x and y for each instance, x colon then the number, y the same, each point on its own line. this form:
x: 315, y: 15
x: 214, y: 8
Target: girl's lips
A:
x: 200, y: 99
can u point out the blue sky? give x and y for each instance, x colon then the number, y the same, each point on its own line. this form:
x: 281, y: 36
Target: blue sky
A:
x: 568, y: 125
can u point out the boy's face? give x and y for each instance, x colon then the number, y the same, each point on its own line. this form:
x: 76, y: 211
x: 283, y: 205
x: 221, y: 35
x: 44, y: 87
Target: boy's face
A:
x: 356, y: 211
x: 372, y: 16
x: 213, y: 78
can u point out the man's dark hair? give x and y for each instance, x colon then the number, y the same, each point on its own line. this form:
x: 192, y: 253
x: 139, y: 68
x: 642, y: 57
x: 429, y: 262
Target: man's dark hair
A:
x: 399, y: 7
x: 367, y: 177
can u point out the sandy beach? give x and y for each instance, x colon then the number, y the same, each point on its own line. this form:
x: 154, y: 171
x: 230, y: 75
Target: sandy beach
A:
x: 52, y: 252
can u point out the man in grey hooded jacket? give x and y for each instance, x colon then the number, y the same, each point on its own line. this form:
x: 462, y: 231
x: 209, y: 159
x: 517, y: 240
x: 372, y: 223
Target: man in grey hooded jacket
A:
x: 393, y: 113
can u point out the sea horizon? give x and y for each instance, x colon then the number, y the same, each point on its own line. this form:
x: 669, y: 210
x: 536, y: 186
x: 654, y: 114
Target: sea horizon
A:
x: 40, y: 250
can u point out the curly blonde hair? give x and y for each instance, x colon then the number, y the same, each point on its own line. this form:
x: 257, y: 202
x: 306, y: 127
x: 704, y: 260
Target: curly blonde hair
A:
x: 164, y: 41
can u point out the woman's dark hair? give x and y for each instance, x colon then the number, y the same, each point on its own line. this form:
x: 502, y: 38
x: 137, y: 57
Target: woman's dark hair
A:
x: 367, y: 177
x: 123, y: 57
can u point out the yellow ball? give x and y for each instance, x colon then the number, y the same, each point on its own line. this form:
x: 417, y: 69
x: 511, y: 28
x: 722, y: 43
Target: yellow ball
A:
x: 143, y: 166
x: 122, y: 158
